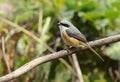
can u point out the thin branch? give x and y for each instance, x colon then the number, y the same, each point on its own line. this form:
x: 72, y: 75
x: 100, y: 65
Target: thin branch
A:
x: 21, y: 29
x: 77, y: 68
x: 33, y: 63
x: 4, y: 54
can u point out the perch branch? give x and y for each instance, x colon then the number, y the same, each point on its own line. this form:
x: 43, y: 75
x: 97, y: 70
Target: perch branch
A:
x: 33, y: 63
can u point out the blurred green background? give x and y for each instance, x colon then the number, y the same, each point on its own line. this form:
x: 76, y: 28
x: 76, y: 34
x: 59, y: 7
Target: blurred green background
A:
x: 94, y: 18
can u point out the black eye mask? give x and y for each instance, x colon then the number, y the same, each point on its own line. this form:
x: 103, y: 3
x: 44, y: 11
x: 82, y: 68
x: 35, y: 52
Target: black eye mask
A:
x: 66, y: 25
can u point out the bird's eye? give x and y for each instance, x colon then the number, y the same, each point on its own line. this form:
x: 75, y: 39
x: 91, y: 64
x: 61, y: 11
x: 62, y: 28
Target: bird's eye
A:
x: 66, y: 25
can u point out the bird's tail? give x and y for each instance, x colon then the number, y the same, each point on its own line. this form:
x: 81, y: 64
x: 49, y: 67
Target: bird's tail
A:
x: 94, y: 51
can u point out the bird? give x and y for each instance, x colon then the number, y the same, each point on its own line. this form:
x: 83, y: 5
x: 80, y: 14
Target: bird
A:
x: 71, y: 36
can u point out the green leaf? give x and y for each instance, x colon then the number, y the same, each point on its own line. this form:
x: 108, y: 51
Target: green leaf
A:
x: 113, y: 51
x: 89, y: 4
x: 93, y: 77
x: 86, y: 78
x: 103, y: 80
x: 1, y: 68
x: 111, y: 14
x: 1, y: 13
x: 92, y: 15
x: 2, y: 0
x: 19, y: 61
x: 100, y: 24
x: 1, y: 27
x: 25, y: 16
x: 116, y: 5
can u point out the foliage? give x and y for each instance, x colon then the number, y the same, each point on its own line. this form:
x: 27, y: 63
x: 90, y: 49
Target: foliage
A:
x: 94, y: 18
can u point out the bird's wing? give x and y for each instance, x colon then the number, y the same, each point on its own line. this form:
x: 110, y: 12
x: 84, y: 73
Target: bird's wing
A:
x: 76, y: 34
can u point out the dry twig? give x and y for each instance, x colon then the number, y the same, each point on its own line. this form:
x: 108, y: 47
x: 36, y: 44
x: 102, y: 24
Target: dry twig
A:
x: 4, y: 54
